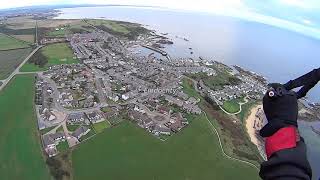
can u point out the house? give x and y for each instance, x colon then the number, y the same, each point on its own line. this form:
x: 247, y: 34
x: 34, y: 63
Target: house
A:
x: 110, y: 114
x: 173, y: 100
x: 192, y: 100
x: 75, y: 118
x: 147, y: 122
x: 183, y: 120
x: 81, y: 131
x: 95, y: 117
x: 47, y: 115
x: 194, y: 109
x: 160, y: 129
x: 50, y: 141
x: 142, y: 119
x: 164, y: 110
x: 176, y: 126
x: 182, y: 95
x: 57, y: 137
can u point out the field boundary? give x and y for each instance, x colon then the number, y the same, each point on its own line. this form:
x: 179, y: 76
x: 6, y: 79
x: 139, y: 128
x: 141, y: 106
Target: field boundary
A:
x: 28, y: 43
x: 15, y: 49
x: 221, y: 146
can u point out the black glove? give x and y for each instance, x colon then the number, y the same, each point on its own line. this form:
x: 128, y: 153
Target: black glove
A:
x: 281, y: 110
x: 307, y: 82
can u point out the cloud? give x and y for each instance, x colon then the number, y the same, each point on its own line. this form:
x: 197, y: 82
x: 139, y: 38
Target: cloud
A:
x: 307, y: 21
x: 305, y: 4
x: 199, y: 5
x: 18, y: 3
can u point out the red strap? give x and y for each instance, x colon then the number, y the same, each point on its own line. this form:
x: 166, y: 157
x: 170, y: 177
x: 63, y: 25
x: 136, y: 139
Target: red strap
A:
x: 284, y: 138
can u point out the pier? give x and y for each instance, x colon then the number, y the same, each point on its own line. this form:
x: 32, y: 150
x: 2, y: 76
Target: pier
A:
x: 162, y: 52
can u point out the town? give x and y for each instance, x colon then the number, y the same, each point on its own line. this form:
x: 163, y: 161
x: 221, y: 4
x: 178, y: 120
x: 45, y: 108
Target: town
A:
x: 114, y: 81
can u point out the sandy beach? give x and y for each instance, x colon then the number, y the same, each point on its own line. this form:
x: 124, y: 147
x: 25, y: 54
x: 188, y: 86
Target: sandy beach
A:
x: 253, y: 123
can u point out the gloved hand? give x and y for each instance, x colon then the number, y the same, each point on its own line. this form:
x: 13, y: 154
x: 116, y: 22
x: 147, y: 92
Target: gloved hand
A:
x: 281, y: 110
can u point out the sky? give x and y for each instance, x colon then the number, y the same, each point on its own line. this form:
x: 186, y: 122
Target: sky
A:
x: 302, y: 16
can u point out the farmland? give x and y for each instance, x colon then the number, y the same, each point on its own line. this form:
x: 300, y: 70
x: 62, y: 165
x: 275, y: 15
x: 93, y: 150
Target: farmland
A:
x: 53, y: 54
x: 26, y: 37
x: 193, y: 154
x: 99, y: 127
x: 7, y: 42
x: 11, y: 59
x: 119, y: 28
x: 19, y: 141
x: 57, y: 33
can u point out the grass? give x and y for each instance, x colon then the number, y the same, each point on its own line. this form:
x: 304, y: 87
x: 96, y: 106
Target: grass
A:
x: 62, y: 146
x: 116, y: 120
x: 99, y: 127
x: 231, y: 106
x: 46, y: 130
x: 106, y: 109
x: 21, y: 156
x: 216, y: 82
x: 7, y: 42
x: 115, y: 26
x: 9, y: 60
x: 60, y: 129
x: 119, y: 28
x: 188, y: 88
x: 59, y: 33
x: 193, y: 154
x: 72, y: 127
x: 28, y: 67
x: 56, y: 54
x: 90, y: 133
x: 25, y: 37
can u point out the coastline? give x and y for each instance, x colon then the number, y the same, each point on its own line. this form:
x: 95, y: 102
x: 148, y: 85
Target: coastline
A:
x: 251, y: 127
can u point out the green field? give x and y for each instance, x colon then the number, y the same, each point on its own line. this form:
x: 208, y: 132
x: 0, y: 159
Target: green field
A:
x: 90, y: 133
x: 114, y: 25
x: 72, y: 127
x: 119, y: 28
x: 55, y: 54
x: 188, y: 88
x: 21, y: 155
x: 62, y: 146
x: 46, y: 130
x: 129, y: 151
x: 60, y: 129
x: 99, y: 127
x: 55, y: 33
x: 7, y: 42
x: 216, y: 82
x: 231, y: 106
x: 9, y: 60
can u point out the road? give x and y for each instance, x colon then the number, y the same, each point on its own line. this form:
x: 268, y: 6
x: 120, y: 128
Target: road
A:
x: 36, y: 29
x: 16, y: 71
